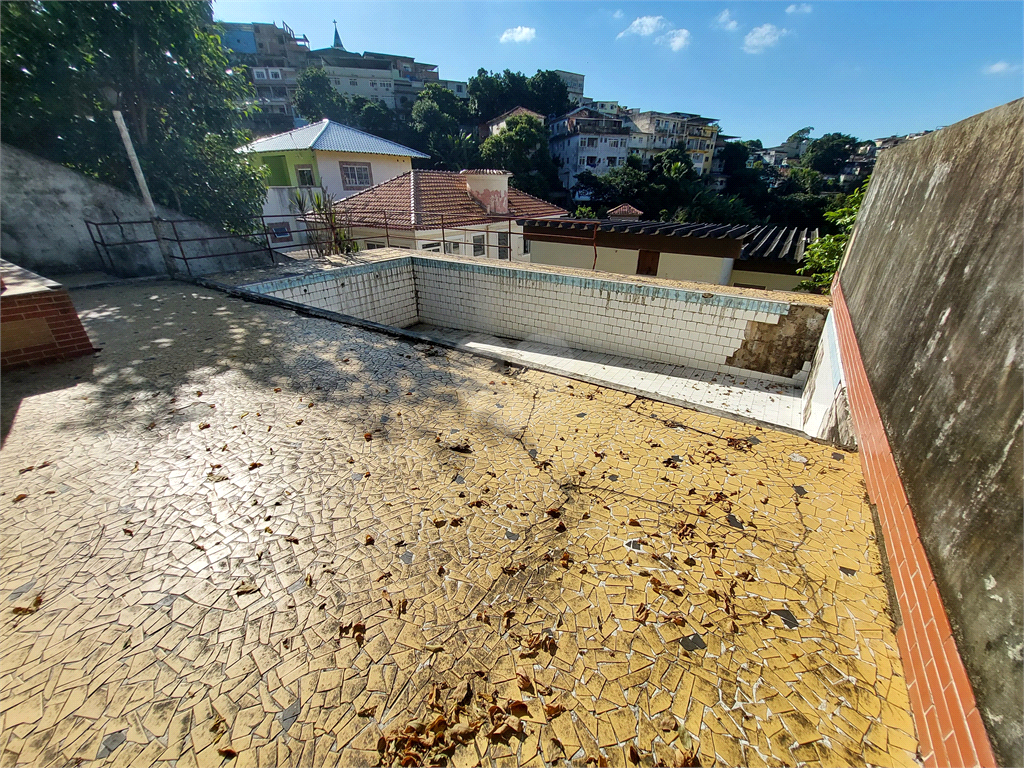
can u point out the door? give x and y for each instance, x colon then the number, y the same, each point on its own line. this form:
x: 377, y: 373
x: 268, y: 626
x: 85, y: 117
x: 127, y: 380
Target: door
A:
x: 647, y: 263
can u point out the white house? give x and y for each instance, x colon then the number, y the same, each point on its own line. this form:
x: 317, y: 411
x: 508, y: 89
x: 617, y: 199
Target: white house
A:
x: 328, y: 156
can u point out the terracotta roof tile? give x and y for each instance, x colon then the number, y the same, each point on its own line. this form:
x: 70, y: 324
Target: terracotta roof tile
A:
x: 426, y: 199
x: 625, y: 210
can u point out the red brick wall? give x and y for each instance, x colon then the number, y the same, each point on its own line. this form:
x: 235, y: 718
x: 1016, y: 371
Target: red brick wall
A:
x: 948, y: 722
x: 23, y: 340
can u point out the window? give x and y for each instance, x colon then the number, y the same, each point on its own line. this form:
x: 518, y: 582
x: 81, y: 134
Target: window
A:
x: 451, y: 247
x: 356, y: 175
x: 435, y: 247
x: 458, y: 88
x: 259, y: 74
x: 591, y: 142
x: 591, y: 161
x: 503, y: 245
x: 372, y: 246
x: 611, y: 162
x: 373, y: 83
x: 613, y: 143
x: 526, y: 247
x: 479, y: 249
x: 280, y: 233
x: 275, y: 75
x: 583, y: 161
x: 353, y: 82
x: 304, y: 175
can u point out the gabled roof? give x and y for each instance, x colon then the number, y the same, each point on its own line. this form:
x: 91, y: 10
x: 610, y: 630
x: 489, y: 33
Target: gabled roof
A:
x: 625, y: 210
x: 330, y: 137
x: 426, y: 199
x: 759, y: 241
x: 515, y: 111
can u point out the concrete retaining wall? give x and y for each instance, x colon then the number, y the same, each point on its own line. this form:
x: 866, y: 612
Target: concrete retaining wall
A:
x: 933, y: 282
x: 45, y: 207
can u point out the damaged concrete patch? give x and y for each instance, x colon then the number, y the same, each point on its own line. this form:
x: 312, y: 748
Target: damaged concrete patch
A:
x: 781, y: 349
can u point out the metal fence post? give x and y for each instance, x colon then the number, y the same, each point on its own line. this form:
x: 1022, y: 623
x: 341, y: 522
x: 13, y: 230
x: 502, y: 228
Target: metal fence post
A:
x: 387, y: 233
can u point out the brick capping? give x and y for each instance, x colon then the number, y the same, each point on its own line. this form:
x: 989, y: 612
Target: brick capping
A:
x: 60, y: 335
x: 949, y: 725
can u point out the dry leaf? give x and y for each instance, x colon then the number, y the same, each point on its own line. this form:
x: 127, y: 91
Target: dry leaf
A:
x: 668, y: 723
x: 634, y: 755
x: 204, y: 425
x: 246, y: 588
x: 227, y: 753
x: 128, y: 531
x: 20, y: 497
x: 434, y: 648
x: 369, y: 540
x: 367, y: 711
x: 553, y: 710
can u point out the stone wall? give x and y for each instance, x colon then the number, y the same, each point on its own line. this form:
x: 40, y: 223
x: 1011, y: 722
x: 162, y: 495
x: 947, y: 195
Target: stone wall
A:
x: 933, y: 281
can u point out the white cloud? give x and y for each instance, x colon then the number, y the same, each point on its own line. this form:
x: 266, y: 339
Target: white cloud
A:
x: 644, y: 26
x: 518, y: 35
x: 761, y: 38
x: 1001, y: 68
x: 618, y: 15
x: 676, y: 39
x: 726, y: 21
x: 802, y: 8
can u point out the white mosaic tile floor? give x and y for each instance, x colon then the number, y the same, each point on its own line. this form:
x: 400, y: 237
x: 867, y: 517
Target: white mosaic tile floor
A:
x: 746, y: 397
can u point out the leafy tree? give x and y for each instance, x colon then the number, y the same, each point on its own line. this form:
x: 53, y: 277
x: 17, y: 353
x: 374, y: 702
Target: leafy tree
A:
x: 801, y: 135
x: 753, y: 143
x: 823, y: 257
x: 165, y: 66
x: 446, y: 101
x: 585, y: 212
x: 808, y: 180
x: 668, y: 185
x: 454, y: 152
x: 494, y: 94
x: 709, y: 207
x: 522, y: 148
x: 827, y: 154
x: 549, y: 94
x: 315, y: 97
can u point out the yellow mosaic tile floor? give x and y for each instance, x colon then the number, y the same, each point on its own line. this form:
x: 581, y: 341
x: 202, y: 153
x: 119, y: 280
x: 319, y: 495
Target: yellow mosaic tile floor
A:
x: 243, y: 537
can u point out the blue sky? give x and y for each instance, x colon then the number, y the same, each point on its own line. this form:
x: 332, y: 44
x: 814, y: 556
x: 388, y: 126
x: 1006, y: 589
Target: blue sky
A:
x: 869, y: 69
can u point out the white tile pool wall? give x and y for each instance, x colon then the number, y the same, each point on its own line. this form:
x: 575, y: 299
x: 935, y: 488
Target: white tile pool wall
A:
x: 383, y: 293
x: 632, y: 320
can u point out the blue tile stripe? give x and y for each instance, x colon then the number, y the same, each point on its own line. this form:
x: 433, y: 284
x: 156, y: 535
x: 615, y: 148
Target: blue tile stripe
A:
x: 644, y: 290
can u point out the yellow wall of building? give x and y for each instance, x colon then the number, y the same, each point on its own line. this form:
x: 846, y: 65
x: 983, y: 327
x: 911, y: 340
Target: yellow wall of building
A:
x: 683, y: 266
x: 616, y: 260
x: 671, y: 266
x: 767, y: 280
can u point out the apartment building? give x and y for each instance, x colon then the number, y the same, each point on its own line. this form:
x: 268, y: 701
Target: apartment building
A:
x: 389, y: 79
x: 654, y: 132
x: 574, y: 82
x: 587, y: 140
x: 275, y: 56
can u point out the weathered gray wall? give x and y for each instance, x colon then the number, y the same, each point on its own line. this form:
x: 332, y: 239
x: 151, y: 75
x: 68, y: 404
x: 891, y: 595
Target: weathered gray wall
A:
x: 44, y: 210
x: 934, y: 281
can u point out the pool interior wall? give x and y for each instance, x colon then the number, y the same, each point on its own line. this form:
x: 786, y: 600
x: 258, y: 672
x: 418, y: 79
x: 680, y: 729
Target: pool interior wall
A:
x: 635, y: 320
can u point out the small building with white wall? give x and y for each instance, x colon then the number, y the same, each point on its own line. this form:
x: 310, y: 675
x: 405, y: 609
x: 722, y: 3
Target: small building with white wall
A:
x: 324, y: 156
x: 764, y: 257
x: 471, y: 213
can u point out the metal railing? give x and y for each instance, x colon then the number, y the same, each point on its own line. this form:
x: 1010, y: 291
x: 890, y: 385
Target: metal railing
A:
x: 313, y: 236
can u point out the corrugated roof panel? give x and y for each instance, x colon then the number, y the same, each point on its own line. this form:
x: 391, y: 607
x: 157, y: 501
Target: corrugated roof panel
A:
x: 329, y: 136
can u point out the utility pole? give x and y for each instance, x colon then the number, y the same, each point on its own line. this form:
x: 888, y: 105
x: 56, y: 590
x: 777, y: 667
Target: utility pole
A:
x: 163, y: 245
